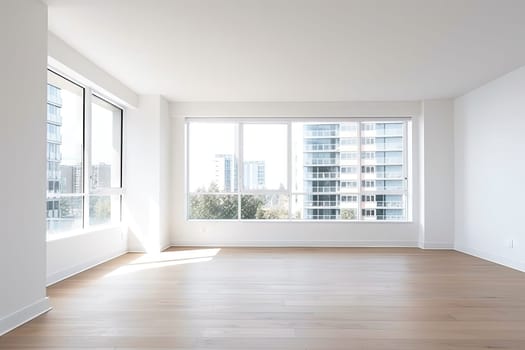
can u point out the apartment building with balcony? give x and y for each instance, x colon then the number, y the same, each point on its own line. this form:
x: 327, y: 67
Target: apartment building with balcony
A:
x: 54, y: 155
x: 354, y: 170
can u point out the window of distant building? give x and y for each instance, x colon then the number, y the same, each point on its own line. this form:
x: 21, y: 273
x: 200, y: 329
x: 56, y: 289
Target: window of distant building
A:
x: 240, y: 169
x: 81, y: 191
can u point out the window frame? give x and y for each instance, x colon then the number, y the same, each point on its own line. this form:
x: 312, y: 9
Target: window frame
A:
x: 407, y: 170
x: 86, y: 193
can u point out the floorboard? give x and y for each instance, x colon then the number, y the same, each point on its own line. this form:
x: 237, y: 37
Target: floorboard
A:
x: 284, y: 298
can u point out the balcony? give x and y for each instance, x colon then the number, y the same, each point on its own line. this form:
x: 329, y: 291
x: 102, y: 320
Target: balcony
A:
x: 53, y: 95
x: 323, y: 175
x: 320, y: 133
x: 397, y: 132
x: 54, y: 138
x: 321, y: 161
x: 390, y: 204
x: 321, y: 147
x: 322, y: 217
x: 322, y: 189
x: 388, y: 161
x: 54, y: 118
x: 389, y: 175
x: 315, y: 204
x: 390, y: 217
x: 388, y: 146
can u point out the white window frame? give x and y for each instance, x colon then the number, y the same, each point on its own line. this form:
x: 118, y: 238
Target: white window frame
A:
x: 87, y: 192
x: 240, y: 121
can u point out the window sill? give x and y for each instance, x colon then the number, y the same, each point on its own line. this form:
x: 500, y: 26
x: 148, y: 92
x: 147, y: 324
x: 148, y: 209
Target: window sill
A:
x: 76, y: 233
x: 287, y: 221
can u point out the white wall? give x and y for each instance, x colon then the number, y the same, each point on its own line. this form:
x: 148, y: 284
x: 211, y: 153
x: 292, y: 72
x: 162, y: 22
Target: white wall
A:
x: 437, y: 175
x: 283, y: 233
x: 68, y: 255
x: 146, y: 175
x: 23, y: 34
x: 490, y: 171
x: 72, y: 64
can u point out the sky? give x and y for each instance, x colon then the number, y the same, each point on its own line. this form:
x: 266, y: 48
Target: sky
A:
x: 267, y: 142
x: 102, y: 128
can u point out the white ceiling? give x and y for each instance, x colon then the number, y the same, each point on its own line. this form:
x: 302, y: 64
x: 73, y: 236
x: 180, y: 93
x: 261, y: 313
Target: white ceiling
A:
x: 296, y: 50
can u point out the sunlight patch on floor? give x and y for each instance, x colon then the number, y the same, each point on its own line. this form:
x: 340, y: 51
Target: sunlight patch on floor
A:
x: 165, y: 259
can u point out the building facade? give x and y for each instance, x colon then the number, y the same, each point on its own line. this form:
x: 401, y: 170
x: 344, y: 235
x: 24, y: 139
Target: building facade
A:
x: 54, y: 155
x: 254, y: 175
x: 226, y: 173
x: 354, y: 171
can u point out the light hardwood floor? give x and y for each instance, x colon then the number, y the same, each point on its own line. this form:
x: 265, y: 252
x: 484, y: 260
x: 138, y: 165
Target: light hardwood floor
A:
x: 284, y: 298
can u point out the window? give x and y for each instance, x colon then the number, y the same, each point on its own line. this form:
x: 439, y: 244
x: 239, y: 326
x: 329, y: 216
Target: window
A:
x: 105, y: 177
x: 65, y: 141
x: 76, y: 199
x: 367, y: 169
x: 218, y: 189
x: 368, y: 140
x: 246, y: 170
x: 348, y: 170
x: 347, y: 198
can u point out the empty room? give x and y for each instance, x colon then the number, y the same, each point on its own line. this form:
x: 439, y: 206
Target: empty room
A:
x: 262, y: 174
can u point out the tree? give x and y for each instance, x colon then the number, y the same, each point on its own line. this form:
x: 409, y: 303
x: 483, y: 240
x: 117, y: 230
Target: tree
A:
x: 222, y: 206
x: 250, y: 206
x: 211, y: 206
x: 347, y: 214
x: 100, y: 208
x: 272, y: 213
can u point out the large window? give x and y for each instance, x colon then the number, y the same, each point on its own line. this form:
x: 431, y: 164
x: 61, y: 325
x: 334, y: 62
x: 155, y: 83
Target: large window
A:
x: 296, y: 170
x: 83, y: 158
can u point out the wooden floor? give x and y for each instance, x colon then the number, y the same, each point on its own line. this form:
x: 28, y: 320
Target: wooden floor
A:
x: 284, y: 298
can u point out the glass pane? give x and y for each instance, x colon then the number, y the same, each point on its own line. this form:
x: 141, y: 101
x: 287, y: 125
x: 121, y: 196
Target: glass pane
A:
x: 212, y: 157
x: 264, y: 207
x: 213, y: 206
x: 64, y: 214
x: 334, y: 163
x: 106, y: 128
x: 104, y: 210
x: 323, y: 154
x: 322, y: 207
x: 297, y: 207
x: 65, y: 130
x: 382, y: 171
x: 265, y: 153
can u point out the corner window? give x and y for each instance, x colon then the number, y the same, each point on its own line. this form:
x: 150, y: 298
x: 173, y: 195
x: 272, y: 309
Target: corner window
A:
x: 73, y: 203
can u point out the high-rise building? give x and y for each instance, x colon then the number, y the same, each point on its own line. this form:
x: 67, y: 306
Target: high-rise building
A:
x: 101, y: 175
x: 226, y: 172
x: 54, y: 156
x: 71, y: 178
x: 347, y: 167
x: 254, y: 175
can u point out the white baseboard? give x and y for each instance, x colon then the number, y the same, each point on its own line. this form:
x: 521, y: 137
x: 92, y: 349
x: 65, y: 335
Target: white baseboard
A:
x: 73, y: 270
x: 297, y: 244
x: 25, y: 314
x: 501, y: 260
x: 437, y: 245
x: 142, y: 251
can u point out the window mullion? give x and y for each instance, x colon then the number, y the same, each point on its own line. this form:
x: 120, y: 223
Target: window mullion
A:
x: 359, y: 177
x: 405, y: 169
x: 240, y: 168
x: 289, y: 168
x: 87, y: 153
x: 186, y: 173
